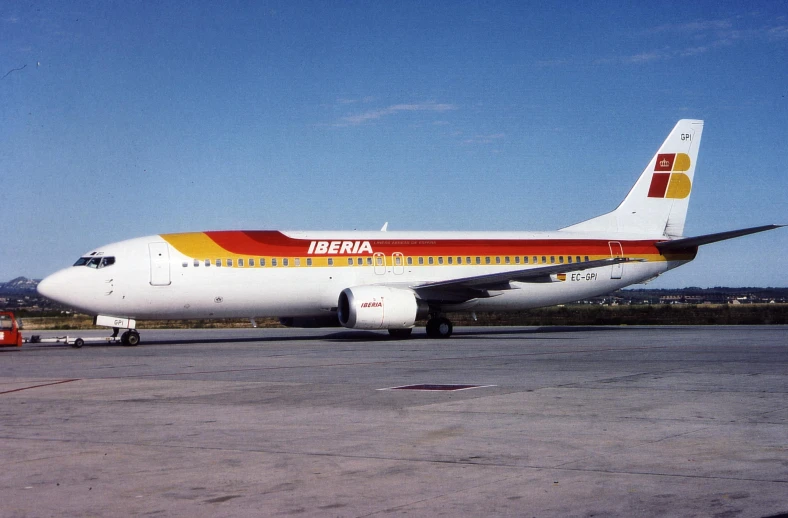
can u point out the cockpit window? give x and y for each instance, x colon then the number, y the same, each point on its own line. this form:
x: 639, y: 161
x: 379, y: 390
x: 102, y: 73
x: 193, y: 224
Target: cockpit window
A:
x: 95, y: 262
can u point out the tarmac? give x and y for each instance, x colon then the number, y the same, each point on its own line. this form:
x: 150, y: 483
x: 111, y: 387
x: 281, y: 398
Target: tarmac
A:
x: 612, y: 421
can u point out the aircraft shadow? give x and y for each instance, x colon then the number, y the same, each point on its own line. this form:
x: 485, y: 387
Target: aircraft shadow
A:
x: 366, y: 336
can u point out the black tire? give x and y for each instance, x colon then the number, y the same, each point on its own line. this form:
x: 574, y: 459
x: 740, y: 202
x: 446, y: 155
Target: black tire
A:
x: 444, y: 328
x: 439, y: 327
x: 124, y: 338
x: 400, y: 333
x: 133, y: 339
x: 432, y: 325
x: 78, y: 343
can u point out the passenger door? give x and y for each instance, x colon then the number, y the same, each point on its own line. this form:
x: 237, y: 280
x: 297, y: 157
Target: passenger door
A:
x: 159, y: 264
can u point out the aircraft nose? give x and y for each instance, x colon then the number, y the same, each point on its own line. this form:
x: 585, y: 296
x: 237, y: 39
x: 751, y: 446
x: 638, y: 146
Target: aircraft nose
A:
x: 55, y: 287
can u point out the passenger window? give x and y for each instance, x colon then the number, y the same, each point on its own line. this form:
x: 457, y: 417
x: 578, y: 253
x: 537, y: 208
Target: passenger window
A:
x: 218, y: 262
x: 196, y: 262
x: 478, y: 260
x: 331, y: 261
x: 285, y: 261
x: 525, y: 259
x: 369, y: 261
x: 350, y: 261
x: 561, y: 259
x: 516, y: 259
x: 577, y: 259
x: 487, y: 260
x: 544, y: 259
x: 229, y: 262
x: 398, y: 260
x: 251, y: 261
x: 207, y: 262
x: 497, y: 260
x: 506, y: 260
x: 552, y: 259
x: 309, y: 261
x: 240, y: 262
x: 569, y: 259
x: 431, y: 260
x: 421, y: 260
x: 273, y: 261
x: 440, y: 260
x: 586, y: 258
x: 185, y: 264
x: 410, y: 261
x: 262, y: 261
x: 535, y: 260
x: 297, y: 261
x: 467, y: 260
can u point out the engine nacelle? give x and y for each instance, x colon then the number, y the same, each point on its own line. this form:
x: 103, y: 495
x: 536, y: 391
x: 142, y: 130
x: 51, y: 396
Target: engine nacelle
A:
x: 379, y: 307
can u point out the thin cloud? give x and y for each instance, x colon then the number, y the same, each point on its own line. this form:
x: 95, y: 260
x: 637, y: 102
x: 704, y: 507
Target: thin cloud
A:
x: 644, y: 57
x: 484, y: 139
x: 372, y: 115
x: 697, y: 26
x: 700, y: 37
x: 779, y: 32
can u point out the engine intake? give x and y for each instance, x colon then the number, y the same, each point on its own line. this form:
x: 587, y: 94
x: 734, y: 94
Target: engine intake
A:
x: 379, y: 307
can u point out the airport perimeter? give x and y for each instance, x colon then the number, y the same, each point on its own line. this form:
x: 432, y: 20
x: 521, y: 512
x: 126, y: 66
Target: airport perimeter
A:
x: 555, y: 421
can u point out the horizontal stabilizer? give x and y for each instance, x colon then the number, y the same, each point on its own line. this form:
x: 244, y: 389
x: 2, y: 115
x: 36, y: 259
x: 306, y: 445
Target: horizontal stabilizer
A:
x: 692, y: 242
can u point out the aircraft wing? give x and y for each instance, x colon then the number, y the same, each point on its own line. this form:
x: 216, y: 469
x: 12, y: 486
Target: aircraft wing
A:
x: 691, y: 242
x: 480, y: 286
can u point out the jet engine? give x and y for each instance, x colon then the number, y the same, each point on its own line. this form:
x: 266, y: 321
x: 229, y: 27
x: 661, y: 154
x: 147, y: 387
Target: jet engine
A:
x: 379, y: 307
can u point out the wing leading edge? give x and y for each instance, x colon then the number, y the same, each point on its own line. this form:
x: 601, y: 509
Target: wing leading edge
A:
x: 481, y: 286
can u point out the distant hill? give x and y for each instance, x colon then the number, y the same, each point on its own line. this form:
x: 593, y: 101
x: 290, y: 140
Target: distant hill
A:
x: 19, y: 286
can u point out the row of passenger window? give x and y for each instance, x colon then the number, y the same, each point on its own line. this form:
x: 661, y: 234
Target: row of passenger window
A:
x: 397, y: 260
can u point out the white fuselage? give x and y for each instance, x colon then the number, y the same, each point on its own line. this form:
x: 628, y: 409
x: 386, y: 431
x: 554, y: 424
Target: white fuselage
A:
x: 177, y: 284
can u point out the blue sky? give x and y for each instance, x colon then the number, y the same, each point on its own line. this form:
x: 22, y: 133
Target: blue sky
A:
x: 123, y: 119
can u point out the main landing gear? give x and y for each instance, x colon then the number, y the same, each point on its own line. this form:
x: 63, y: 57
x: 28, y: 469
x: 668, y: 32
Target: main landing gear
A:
x: 439, y: 327
x: 128, y: 338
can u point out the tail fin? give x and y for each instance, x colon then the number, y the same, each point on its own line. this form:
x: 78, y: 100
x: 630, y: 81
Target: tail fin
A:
x: 657, y: 204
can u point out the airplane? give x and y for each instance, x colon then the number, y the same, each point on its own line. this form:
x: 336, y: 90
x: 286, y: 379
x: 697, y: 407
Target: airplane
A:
x: 389, y: 280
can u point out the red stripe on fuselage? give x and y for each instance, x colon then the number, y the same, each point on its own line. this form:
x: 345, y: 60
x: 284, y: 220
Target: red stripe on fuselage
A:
x: 275, y: 243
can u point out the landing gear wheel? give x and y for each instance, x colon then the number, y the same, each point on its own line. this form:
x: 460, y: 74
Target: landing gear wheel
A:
x: 439, y: 327
x: 133, y: 339
x: 400, y: 333
x: 78, y: 343
x: 124, y: 338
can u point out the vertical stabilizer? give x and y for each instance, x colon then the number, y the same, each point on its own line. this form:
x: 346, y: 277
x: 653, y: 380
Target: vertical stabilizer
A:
x: 657, y: 204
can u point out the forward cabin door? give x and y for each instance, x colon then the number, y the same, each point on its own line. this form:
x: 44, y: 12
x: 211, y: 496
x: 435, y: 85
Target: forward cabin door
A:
x: 616, y: 251
x: 159, y: 264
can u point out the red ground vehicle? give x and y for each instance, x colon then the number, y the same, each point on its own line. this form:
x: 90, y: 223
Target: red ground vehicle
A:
x: 9, y: 330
